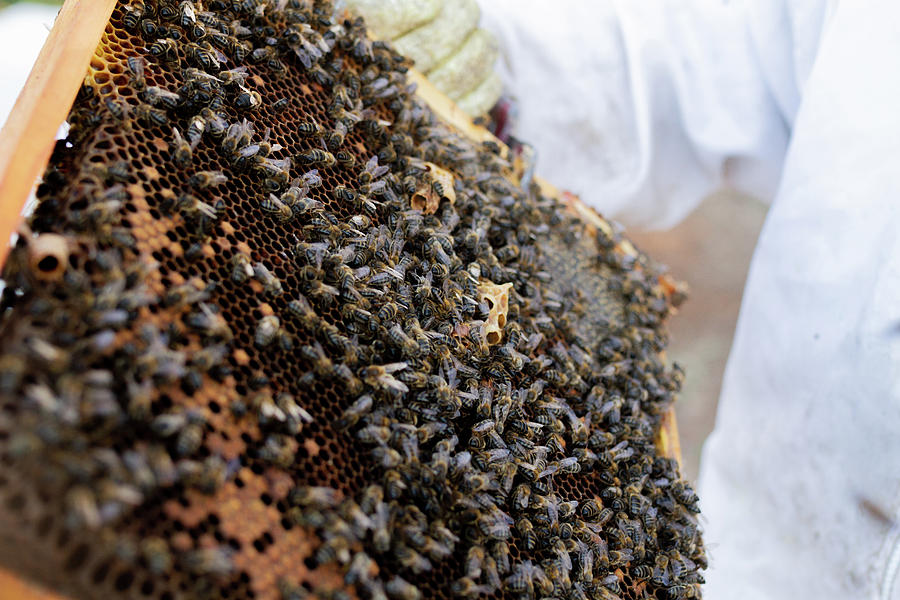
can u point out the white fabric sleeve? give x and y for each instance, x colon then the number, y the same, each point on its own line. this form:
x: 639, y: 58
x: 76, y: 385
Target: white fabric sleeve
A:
x: 643, y: 108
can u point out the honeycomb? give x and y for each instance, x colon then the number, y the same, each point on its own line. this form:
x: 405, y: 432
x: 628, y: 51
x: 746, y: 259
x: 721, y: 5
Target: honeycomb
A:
x: 235, y: 362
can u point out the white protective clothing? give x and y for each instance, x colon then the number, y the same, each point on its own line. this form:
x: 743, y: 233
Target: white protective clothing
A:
x: 643, y: 107
x: 23, y: 28
x: 443, y: 39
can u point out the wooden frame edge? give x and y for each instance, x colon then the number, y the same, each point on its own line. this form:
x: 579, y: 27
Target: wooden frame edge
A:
x: 29, y: 133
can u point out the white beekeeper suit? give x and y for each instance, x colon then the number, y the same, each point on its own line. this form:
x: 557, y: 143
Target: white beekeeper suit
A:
x: 643, y: 108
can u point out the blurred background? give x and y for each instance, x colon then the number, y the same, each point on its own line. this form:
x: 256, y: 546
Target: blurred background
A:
x: 710, y: 250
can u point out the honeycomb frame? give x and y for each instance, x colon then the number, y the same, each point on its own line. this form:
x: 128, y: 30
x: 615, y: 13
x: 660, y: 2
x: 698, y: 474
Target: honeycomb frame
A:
x: 192, y: 520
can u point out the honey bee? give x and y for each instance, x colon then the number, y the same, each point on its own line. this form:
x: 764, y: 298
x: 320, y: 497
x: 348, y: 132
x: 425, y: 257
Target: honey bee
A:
x: 360, y: 407
x: 685, y: 495
x: 234, y: 77
x: 297, y: 416
x: 467, y: 588
x: 529, y: 579
x: 345, y: 159
x: 215, y: 125
x: 132, y: 17
x: 660, y: 576
x: 202, y: 57
x: 136, y: 66
x: 412, y: 560
x: 118, y: 109
x: 182, y: 153
x: 262, y: 149
x: 400, y: 589
x: 360, y: 569
x: 156, y: 554
x: 335, y: 549
x: 162, y: 466
x: 322, y: 365
x: 642, y: 572
x: 335, y: 138
x: 237, y: 136
x: 271, y: 284
x: 209, y: 357
x: 291, y: 591
x: 301, y: 308
x: 620, y: 558
x: 81, y: 504
x: 193, y: 208
x: 309, y: 128
x: 146, y: 114
x: 262, y: 54
x: 275, y: 169
x: 154, y: 96
x: 187, y: 13
x: 387, y: 154
x: 394, y: 484
x: 345, y: 375
x: 267, y: 410
x: 276, y: 207
x: 269, y: 330
x: 565, y: 465
x: 248, y: 99
x: 187, y: 293
x: 311, y: 179
x: 526, y: 531
x: 165, y: 49
x: 281, y: 104
x: 317, y: 156
x: 167, y: 12
x: 196, y: 31
x: 168, y: 424
x: 314, y: 497
x: 238, y: 49
x: 381, y: 376
x: 495, y: 524
x: 506, y: 471
x: 212, y: 324
x: 191, y: 435
x: 682, y: 592
x: 207, y: 179
x: 241, y: 268
x: 208, y: 561
x: 196, y: 127
x: 322, y: 291
x: 474, y: 559
x: 278, y: 450
x: 557, y: 575
x: 407, y: 345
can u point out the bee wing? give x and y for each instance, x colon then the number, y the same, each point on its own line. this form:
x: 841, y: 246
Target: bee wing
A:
x: 388, y: 381
x: 304, y: 57
x: 312, y: 178
x: 248, y: 151
x: 136, y: 65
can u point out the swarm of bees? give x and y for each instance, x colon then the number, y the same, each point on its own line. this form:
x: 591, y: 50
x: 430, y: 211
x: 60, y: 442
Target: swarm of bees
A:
x: 263, y: 374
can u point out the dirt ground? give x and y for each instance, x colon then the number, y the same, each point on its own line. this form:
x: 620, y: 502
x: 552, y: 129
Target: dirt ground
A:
x: 711, y: 251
